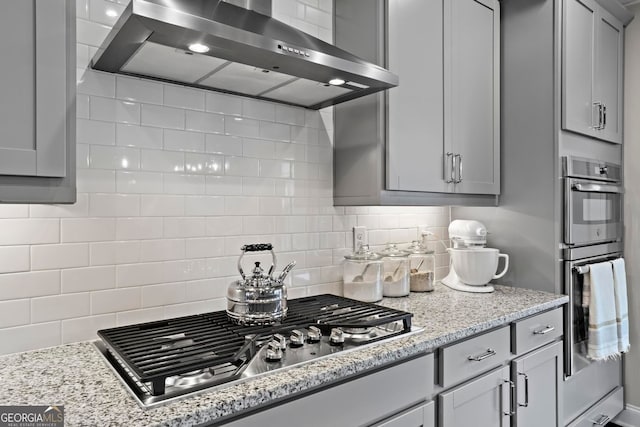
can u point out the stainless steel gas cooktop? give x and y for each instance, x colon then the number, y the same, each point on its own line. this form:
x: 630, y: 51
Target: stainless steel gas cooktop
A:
x: 175, y: 358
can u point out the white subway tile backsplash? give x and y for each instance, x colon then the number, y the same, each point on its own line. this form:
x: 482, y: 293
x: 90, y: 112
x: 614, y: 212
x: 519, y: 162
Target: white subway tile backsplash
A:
x: 208, y: 164
x: 87, y: 229
x: 138, y: 228
x: 138, y: 90
x: 164, y: 117
x: 85, y: 328
x: 107, y: 253
x: 223, y: 185
x: 260, y: 110
x: 95, y: 132
x: 104, y: 157
x: 88, y: 279
x: 30, y: 284
x: 113, y: 205
x: 162, y: 161
x: 223, y: 144
x: 223, y: 104
x: 15, y: 313
x: 275, y: 131
x: 114, y: 300
x: 77, y: 210
x: 97, y: 83
x: 29, y: 231
x: 204, y: 122
x: 239, y: 126
x: 204, y: 205
x: 180, y: 140
x: 139, y: 182
x: 115, y: 110
x: 138, y: 136
x: 184, y: 184
x: 184, y: 227
x: 29, y: 337
x: 67, y: 255
x: 240, y: 166
x: 172, y: 181
x: 162, y: 205
x: 182, y: 97
x: 57, y: 307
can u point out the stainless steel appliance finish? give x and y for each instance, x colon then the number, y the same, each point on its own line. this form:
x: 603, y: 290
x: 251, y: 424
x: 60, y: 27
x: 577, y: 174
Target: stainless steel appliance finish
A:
x: 576, y: 265
x: 162, y: 361
x: 214, y: 44
x: 258, y: 299
x: 592, y: 201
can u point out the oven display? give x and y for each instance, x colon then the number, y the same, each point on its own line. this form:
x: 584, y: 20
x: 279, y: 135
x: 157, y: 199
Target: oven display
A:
x: 597, y: 210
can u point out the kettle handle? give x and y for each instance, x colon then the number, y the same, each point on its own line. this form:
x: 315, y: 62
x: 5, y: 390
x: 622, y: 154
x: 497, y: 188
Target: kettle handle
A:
x: 257, y: 247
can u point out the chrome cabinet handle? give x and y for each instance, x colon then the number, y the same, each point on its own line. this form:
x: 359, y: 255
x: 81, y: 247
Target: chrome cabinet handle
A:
x: 459, y: 157
x: 602, y: 420
x: 512, y: 393
x: 526, y: 390
x: 451, y: 169
x: 604, y: 116
x: 598, y: 105
x: 490, y: 352
x: 545, y: 331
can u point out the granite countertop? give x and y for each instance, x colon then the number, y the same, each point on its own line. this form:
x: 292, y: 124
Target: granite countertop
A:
x: 75, y: 374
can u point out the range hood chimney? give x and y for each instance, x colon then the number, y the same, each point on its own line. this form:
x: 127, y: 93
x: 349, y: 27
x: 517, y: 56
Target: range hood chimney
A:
x: 226, y: 46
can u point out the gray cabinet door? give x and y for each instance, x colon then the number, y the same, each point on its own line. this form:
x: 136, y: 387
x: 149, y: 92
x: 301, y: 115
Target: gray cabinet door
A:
x: 422, y: 416
x: 538, y: 378
x: 415, y: 113
x: 579, y: 114
x: 471, y: 93
x: 37, y: 104
x: 608, y: 74
x: 484, y: 401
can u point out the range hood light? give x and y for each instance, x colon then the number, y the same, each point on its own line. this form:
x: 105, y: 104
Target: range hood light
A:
x: 336, y: 82
x: 198, y: 48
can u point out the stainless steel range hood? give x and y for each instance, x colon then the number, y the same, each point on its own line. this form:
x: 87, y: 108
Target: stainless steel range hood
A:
x: 247, y: 53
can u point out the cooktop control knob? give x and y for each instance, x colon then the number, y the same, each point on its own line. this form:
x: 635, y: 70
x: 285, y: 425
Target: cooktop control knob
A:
x: 314, y: 334
x: 337, y: 337
x: 280, y: 340
x: 274, y: 352
x: 297, y: 338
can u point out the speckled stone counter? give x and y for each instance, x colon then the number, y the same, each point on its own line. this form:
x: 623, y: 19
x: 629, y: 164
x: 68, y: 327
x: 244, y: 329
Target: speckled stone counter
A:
x: 76, y: 376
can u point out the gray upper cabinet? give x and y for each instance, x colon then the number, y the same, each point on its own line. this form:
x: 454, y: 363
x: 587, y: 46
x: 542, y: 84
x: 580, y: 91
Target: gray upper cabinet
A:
x: 37, y: 109
x: 434, y: 139
x: 443, y: 119
x: 592, y: 71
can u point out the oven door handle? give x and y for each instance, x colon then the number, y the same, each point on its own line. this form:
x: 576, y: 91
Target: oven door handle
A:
x: 597, y: 188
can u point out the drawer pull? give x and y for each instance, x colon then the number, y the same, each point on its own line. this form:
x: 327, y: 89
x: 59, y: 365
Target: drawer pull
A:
x: 602, y: 420
x: 545, y: 331
x: 490, y: 352
x: 526, y: 390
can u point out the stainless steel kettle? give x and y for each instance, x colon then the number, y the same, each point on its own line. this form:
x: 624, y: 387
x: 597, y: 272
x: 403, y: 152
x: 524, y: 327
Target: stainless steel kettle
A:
x: 258, y: 299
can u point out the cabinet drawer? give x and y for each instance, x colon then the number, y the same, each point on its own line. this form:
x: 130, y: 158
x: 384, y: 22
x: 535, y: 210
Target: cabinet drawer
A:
x: 603, y: 412
x: 474, y: 356
x: 422, y: 416
x: 536, y: 331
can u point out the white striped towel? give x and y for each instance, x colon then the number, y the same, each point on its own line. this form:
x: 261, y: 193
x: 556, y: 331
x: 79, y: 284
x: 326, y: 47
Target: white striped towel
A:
x: 603, y: 330
x: 622, y: 313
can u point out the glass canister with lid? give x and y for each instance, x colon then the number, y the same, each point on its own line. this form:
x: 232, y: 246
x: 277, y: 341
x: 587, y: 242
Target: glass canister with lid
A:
x: 422, y: 262
x: 362, y: 275
x: 395, y: 271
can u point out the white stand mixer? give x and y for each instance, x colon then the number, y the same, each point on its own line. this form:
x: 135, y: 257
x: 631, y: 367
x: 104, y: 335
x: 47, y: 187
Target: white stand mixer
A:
x: 469, y: 239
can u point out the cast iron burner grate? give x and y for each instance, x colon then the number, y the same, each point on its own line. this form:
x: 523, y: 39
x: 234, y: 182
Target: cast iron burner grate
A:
x: 149, y: 353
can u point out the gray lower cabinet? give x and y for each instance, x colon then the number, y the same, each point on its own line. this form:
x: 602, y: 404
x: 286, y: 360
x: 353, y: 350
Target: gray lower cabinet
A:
x: 538, y: 380
x: 592, y: 65
x: 484, y: 401
x: 393, y: 397
x: 37, y: 109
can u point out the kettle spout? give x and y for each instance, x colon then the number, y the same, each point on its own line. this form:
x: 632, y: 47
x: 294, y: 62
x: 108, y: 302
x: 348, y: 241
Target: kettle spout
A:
x: 285, y: 271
